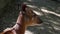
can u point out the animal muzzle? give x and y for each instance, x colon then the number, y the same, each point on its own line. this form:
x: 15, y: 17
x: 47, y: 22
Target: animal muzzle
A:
x: 40, y: 21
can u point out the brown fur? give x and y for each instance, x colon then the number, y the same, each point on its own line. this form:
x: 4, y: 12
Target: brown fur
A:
x: 25, y: 18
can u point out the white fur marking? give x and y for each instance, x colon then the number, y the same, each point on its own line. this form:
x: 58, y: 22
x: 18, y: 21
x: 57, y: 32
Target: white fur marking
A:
x: 16, y: 27
x: 14, y: 32
x: 7, y: 29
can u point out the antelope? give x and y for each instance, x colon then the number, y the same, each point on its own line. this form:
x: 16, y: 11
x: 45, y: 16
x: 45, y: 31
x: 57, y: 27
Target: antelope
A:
x: 26, y: 18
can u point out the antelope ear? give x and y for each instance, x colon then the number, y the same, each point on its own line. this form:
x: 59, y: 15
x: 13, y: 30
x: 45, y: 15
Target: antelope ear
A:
x: 23, y: 7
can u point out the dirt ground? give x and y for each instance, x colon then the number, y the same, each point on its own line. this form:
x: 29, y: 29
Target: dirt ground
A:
x: 48, y: 11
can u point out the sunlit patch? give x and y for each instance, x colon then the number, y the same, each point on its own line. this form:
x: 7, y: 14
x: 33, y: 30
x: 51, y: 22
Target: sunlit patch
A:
x: 29, y: 0
x: 55, y: 22
x: 37, y: 24
x: 38, y: 13
x: 56, y: 28
x: 46, y: 11
x: 28, y: 32
x: 35, y: 7
x: 32, y: 6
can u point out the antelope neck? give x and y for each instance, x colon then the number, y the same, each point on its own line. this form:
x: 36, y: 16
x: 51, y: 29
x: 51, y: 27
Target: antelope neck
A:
x: 19, y: 29
x: 20, y: 25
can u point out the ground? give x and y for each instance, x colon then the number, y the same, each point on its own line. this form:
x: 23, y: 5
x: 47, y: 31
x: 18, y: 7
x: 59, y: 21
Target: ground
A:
x: 48, y: 11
